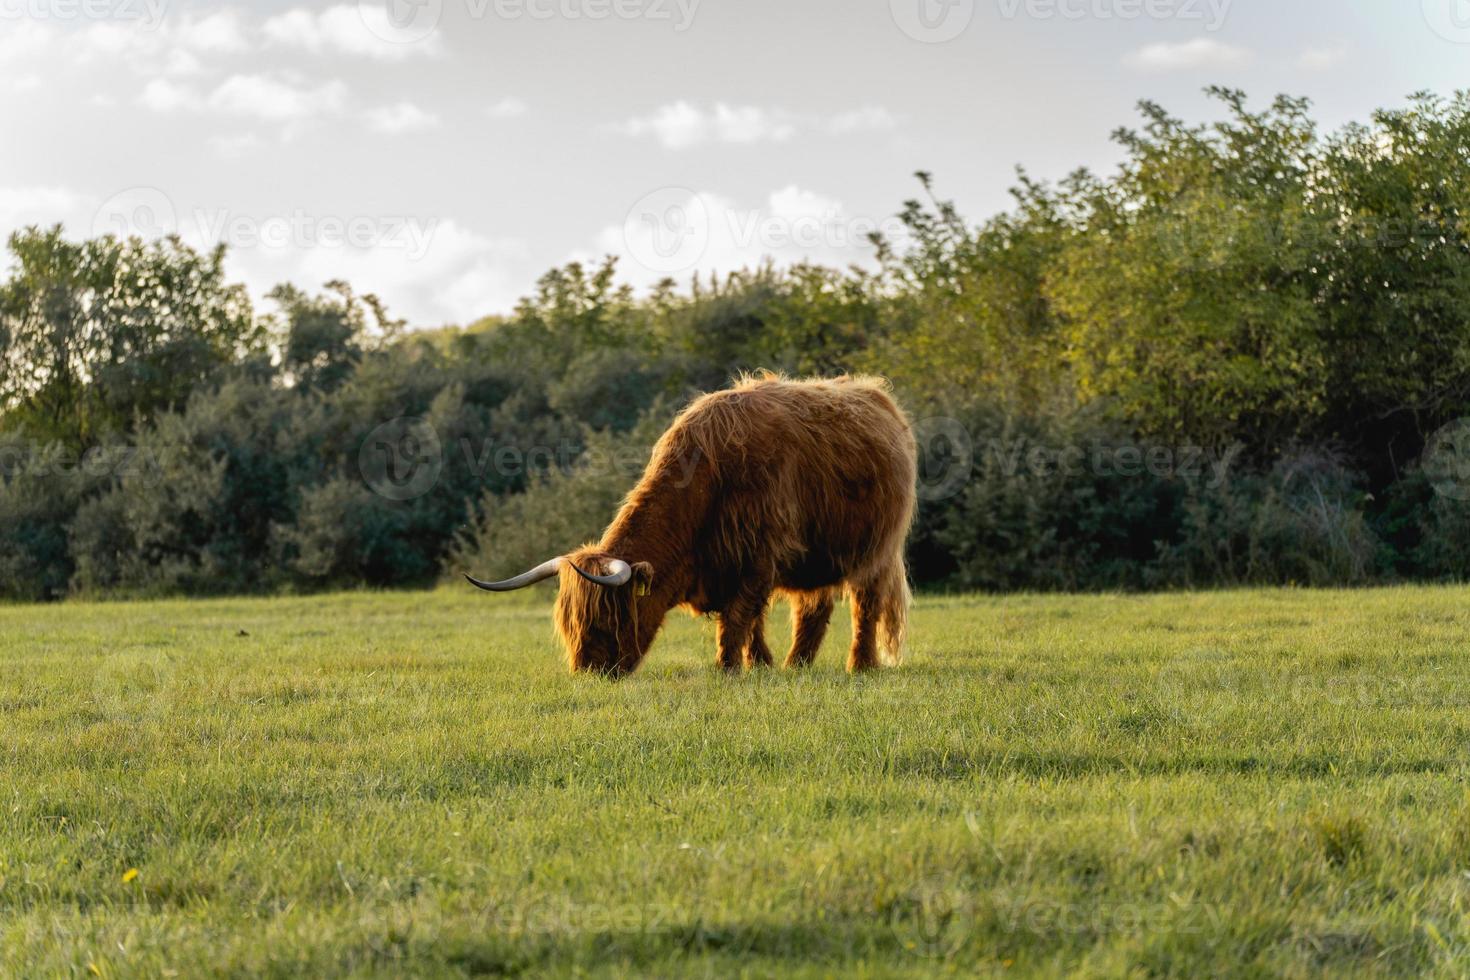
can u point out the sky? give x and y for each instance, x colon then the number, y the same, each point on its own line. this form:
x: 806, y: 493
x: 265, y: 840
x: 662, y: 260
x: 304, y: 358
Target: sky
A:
x: 443, y: 154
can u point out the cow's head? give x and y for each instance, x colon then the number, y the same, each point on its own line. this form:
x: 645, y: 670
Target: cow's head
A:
x: 605, y: 612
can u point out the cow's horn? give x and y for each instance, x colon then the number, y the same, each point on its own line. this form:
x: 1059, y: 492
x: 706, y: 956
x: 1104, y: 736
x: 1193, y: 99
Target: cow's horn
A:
x: 538, y: 574
x: 618, y: 573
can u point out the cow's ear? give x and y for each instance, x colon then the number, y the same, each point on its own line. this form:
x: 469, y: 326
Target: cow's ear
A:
x: 642, y: 578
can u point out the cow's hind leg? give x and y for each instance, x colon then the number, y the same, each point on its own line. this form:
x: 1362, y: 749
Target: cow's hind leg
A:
x: 810, y: 613
x: 879, y: 613
x: 757, y: 654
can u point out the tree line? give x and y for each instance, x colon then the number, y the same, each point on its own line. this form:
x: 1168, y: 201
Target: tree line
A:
x: 1239, y: 358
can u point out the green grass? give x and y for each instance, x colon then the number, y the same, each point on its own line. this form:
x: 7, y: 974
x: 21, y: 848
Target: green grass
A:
x: 1253, y: 783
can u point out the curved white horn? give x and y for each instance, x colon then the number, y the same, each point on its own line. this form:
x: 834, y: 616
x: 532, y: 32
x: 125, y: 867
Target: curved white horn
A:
x: 538, y: 574
x: 619, y: 573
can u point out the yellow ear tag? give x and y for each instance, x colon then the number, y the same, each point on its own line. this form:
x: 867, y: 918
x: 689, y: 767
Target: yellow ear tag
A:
x: 642, y: 589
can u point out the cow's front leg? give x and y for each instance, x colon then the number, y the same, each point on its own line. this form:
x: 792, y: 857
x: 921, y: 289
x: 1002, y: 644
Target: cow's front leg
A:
x: 738, y: 623
x: 757, y: 654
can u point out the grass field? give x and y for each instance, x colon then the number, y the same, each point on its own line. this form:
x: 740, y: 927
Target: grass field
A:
x: 1254, y: 783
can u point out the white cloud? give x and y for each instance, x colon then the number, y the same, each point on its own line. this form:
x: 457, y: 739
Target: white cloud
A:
x: 44, y: 206
x: 181, y: 61
x: 868, y: 119
x: 401, y: 117
x: 508, y: 108
x: 21, y: 84
x: 162, y: 95
x: 363, y: 31
x: 1324, y: 57
x: 278, y: 98
x: 429, y: 270
x: 234, y: 146
x: 679, y: 234
x: 23, y: 42
x: 285, y: 98
x: 1200, y: 53
x: 218, y: 33
x: 682, y: 125
x: 178, y: 45
x: 455, y: 275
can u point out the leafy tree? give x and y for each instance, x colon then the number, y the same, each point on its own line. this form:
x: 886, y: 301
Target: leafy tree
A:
x: 1188, y: 287
x: 1395, y: 288
x: 96, y: 333
x: 324, y: 337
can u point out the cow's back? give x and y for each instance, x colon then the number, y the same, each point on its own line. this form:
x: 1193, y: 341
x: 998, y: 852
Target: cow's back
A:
x: 813, y: 480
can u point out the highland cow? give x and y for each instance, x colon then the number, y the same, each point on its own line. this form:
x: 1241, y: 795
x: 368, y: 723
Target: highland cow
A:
x: 803, y: 488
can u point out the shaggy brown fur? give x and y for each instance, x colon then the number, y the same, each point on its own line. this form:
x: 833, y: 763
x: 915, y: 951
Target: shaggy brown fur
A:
x: 804, y: 488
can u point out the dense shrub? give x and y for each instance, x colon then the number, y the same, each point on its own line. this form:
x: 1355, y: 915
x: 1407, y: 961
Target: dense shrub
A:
x: 1049, y: 502
x: 1301, y: 523
x: 41, y: 488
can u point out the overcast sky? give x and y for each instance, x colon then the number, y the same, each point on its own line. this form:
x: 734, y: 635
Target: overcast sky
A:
x: 445, y: 153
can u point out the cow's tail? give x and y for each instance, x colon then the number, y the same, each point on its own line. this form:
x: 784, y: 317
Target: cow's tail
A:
x: 893, y: 614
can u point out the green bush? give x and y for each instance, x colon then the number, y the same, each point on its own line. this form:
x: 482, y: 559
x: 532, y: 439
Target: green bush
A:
x: 1302, y: 523
x: 41, y: 487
